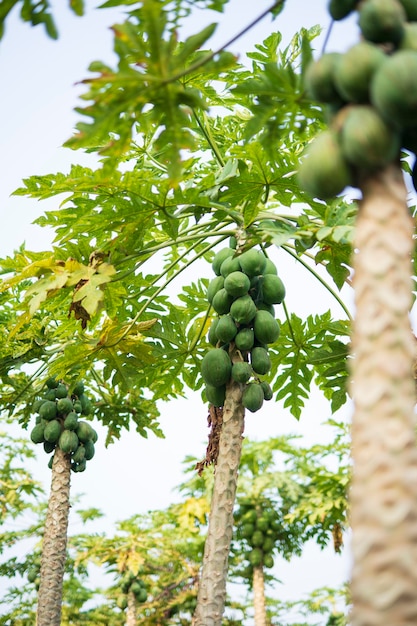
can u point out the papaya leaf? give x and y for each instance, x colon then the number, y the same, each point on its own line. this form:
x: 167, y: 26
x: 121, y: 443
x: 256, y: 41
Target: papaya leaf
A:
x: 304, y: 347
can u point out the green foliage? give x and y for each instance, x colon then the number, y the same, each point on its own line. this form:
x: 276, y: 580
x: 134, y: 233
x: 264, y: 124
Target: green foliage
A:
x: 196, y: 148
x: 146, y: 86
x: 36, y: 12
x: 306, y: 349
x: 18, y: 489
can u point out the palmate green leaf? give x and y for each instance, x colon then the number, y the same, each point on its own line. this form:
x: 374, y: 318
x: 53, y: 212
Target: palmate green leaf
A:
x: 278, y: 231
x: 258, y: 182
x: 150, y: 64
x: 274, y: 92
x: 288, y: 356
x: 336, y: 258
x: 306, y: 347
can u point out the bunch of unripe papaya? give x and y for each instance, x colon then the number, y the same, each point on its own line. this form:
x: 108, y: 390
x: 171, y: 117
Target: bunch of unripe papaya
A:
x: 371, y: 95
x: 58, y: 423
x: 130, y: 583
x: 243, y: 295
x: 261, y: 529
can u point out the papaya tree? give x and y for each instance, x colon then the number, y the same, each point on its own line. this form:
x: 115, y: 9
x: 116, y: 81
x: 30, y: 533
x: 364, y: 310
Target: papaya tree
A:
x: 98, y: 306
x: 381, y: 98
x: 21, y: 568
x: 286, y: 495
x: 71, y: 441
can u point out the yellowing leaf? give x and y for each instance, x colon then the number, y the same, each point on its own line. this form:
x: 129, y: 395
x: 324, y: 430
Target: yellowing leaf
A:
x: 31, y: 270
x: 41, y: 289
x: 114, y: 333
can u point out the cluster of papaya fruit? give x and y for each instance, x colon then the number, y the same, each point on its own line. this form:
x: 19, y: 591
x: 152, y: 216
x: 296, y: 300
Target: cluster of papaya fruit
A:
x: 130, y: 583
x: 58, y: 423
x: 243, y: 295
x: 261, y: 529
x: 371, y: 95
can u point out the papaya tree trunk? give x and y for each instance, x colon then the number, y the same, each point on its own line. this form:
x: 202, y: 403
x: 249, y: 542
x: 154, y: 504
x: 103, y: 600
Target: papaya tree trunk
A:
x: 131, y: 612
x: 259, y: 596
x: 384, y: 452
x: 212, y: 587
x: 54, y: 543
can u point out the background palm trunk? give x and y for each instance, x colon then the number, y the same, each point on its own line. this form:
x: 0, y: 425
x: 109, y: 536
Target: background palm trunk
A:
x: 54, y: 543
x: 259, y: 596
x: 131, y: 611
x: 384, y: 453
x: 212, y: 587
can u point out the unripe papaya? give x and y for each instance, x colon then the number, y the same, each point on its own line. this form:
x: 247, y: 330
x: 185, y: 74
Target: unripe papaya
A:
x: 36, y: 434
x: 266, y: 327
x: 216, y: 395
x: 410, y: 8
x: 64, y: 405
x: 244, y: 339
x: 339, y: 9
x: 409, y: 38
x: 79, y: 467
x: 61, y: 391
x: 89, y: 447
x: 48, y: 410
x: 255, y: 557
x: 243, y: 310
x: 356, y: 69
x: 78, y: 389
x: 260, y: 361
x: 272, y: 289
x: 252, y: 397
x: 68, y: 441
x: 324, y: 171
x: 266, y: 388
x: 49, y: 446
x: 241, y: 371
x: 229, y: 265
x: 83, y: 431
x: 212, y: 336
x: 237, y: 284
x: 257, y: 538
x: 219, y: 258
x: 71, y: 421
x: 270, y: 267
x: 222, y: 301
x: 214, y: 286
x: 216, y: 367
x: 268, y: 545
x: 320, y: 78
x: 367, y: 141
x: 226, y: 329
x: 79, y: 454
x: 121, y: 602
x: 382, y: 21
x: 252, y: 262
x: 52, y: 431
x: 394, y: 89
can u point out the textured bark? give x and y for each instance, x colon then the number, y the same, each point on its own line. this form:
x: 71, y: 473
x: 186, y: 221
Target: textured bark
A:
x: 54, y: 543
x: 384, y: 453
x: 212, y: 588
x: 259, y: 596
x: 131, y: 619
